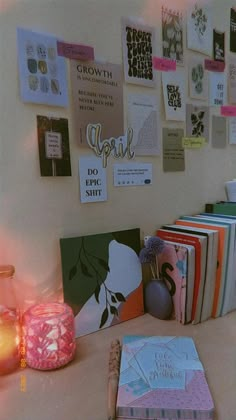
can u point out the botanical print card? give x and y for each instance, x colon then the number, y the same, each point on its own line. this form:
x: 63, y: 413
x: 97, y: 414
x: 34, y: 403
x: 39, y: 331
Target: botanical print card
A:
x: 232, y: 130
x: 232, y: 30
x: 173, y: 151
x: 138, y: 41
x: 197, y: 121
x: 174, y: 92
x: 199, y: 28
x: 219, y: 133
x: 172, y: 34
x: 198, y: 79
x: 144, y: 118
x: 42, y: 73
x: 97, y: 90
x: 93, y: 180
x: 217, y: 88
x: 53, y: 143
x: 102, y: 279
x: 232, y: 80
x: 218, y: 45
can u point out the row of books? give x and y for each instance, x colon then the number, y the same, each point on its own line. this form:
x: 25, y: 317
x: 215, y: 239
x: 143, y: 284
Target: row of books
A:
x: 199, y: 264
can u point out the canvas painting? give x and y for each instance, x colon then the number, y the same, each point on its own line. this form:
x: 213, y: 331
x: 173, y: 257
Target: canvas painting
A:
x: 53, y: 144
x: 198, y: 79
x: 138, y: 41
x: 102, y: 279
x: 172, y: 35
x: 197, y: 121
x: 199, y: 28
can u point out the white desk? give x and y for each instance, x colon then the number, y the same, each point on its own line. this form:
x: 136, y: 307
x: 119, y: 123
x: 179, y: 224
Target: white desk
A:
x: 78, y: 391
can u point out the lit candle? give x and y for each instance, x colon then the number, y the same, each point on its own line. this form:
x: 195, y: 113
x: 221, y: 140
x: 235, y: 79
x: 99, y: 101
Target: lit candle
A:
x: 9, y: 341
x: 49, y: 334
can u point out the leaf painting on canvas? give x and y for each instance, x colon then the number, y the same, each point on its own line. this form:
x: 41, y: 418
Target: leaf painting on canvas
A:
x: 172, y: 34
x: 102, y: 279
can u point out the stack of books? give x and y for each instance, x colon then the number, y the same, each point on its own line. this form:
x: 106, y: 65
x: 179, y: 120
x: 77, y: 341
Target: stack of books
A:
x: 161, y: 377
x: 200, y: 259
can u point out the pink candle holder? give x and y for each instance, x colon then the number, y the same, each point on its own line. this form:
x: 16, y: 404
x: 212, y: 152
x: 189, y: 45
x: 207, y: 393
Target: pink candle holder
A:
x: 49, y: 335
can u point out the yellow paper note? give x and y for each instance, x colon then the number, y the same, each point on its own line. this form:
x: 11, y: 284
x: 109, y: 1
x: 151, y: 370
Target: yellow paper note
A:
x: 193, y: 142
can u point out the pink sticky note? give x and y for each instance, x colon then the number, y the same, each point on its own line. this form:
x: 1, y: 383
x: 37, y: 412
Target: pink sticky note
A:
x: 163, y: 64
x: 75, y: 51
x: 213, y: 65
x: 228, y: 111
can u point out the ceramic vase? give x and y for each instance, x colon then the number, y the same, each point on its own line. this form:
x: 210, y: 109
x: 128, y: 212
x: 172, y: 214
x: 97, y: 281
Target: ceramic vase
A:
x: 158, y: 301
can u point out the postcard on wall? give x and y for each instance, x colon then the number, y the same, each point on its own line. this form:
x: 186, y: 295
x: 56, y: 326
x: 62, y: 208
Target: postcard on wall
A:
x: 173, y: 84
x: 102, y: 279
x: 172, y: 34
x: 97, y: 90
x: 218, y: 133
x: 42, y: 73
x: 173, y: 151
x: 53, y: 144
x: 217, y: 88
x: 232, y: 34
x: 198, y: 79
x: 197, y: 121
x: 143, y: 117
x: 132, y: 174
x: 218, y: 45
x: 93, y: 180
x: 199, y: 28
x: 138, y: 42
x: 232, y: 80
x: 232, y: 130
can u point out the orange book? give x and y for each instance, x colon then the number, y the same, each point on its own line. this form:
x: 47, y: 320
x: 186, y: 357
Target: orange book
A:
x: 220, y: 272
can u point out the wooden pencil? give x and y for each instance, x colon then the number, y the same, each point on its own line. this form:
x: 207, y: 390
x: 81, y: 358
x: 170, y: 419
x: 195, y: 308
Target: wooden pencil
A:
x: 113, y: 377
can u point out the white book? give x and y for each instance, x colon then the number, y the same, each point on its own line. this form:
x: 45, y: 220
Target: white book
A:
x: 212, y: 250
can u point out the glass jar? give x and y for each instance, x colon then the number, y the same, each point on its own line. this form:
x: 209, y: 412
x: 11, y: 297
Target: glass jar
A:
x: 9, y: 322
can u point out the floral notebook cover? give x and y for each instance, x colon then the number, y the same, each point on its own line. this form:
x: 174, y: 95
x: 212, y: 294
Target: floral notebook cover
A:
x: 162, y: 378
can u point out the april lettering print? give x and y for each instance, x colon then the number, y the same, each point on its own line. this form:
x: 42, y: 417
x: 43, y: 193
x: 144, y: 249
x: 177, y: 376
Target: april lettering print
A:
x: 137, y: 52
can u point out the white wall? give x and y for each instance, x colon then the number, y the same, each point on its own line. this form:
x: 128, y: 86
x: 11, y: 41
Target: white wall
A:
x: 36, y: 211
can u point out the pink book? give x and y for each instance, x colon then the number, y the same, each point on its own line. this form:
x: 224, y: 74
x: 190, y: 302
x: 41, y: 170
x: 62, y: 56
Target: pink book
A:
x: 161, y: 377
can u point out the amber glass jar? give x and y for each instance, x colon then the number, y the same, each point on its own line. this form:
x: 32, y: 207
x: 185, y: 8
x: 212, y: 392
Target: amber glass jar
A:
x: 9, y: 322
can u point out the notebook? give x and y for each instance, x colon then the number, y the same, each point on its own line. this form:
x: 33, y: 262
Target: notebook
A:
x: 161, y: 377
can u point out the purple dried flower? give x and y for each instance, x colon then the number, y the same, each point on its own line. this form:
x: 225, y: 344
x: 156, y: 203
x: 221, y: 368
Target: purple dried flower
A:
x: 155, y: 245
x: 146, y: 256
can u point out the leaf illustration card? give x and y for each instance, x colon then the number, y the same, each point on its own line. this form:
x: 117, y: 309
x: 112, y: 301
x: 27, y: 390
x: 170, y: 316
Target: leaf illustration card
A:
x: 173, y: 83
x: 217, y: 88
x: 42, y: 73
x: 218, y: 45
x: 232, y: 80
x: 143, y: 117
x: 173, y: 151
x: 138, y: 42
x: 233, y: 29
x: 199, y: 28
x: 218, y: 134
x: 102, y: 279
x: 172, y: 34
x: 53, y: 144
x: 197, y: 121
x: 198, y: 79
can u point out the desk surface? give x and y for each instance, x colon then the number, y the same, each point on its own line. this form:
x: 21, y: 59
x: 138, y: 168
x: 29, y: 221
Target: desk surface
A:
x: 78, y: 391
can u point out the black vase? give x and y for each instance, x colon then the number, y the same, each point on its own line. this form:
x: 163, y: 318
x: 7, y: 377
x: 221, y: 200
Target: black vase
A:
x: 158, y: 301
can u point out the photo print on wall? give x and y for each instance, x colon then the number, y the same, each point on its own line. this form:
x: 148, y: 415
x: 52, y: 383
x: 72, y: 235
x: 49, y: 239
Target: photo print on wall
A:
x: 137, y: 42
x: 232, y: 30
x: 102, y: 279
x: 172, y: 35
x: 198, y: 79
x: 218, y: 45
x: 174, y: 94
x: 42, y: 73
x: 199, y: 28
x: 53, y: 143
